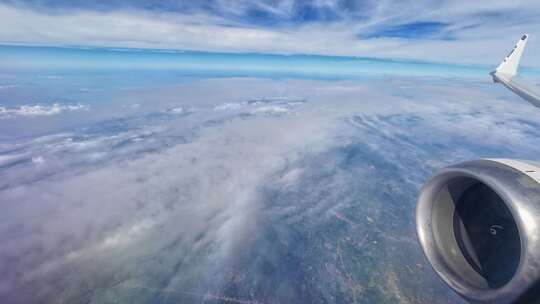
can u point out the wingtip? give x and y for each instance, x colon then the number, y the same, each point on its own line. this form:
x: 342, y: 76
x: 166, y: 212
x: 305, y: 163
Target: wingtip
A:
x: 509, y: 66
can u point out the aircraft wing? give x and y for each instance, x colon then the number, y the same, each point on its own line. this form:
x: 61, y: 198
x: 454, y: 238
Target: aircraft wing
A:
x: 506, y: 74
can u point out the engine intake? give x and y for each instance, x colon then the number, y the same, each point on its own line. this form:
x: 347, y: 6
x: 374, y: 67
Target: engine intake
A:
x: 479, y: 226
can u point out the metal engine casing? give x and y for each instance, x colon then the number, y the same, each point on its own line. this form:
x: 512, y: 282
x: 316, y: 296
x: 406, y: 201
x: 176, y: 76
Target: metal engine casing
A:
x: 517, y: 183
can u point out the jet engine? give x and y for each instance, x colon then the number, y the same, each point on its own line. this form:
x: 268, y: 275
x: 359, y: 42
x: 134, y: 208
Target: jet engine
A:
x: 478, y: 223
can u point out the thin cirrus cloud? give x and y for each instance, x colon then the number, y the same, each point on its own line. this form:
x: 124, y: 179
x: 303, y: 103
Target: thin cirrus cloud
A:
x: 448, y: 31
x: 415, y: 30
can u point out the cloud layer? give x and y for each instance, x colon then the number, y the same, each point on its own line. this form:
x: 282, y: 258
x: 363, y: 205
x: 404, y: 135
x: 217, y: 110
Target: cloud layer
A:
x: 265, y: 191
x: 447, y: 31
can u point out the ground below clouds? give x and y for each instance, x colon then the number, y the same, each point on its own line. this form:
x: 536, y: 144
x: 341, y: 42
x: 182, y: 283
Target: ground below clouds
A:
x: 242, y: 190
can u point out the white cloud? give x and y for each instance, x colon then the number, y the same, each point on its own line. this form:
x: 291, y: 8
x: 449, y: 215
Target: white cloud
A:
x: 39, y: 110
x: 178, y: 110
x: 38, y: 160
x: 470, y: 27
x: 271, y: 109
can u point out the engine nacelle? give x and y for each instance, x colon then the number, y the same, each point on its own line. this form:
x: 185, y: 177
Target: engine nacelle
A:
x: 478, y: 223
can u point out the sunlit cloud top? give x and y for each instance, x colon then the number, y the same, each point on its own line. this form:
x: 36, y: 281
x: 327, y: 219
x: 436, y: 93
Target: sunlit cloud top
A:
x: 442, y: 31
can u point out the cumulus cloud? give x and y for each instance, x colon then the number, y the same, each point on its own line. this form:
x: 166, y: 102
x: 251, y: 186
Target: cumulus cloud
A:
x: 268, y: 106
x: 449, y: 31
x: 39, y: 110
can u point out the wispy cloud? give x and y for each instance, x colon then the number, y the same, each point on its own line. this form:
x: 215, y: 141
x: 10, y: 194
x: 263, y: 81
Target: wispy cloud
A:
x: 450, y: 31
x: 415, y: 30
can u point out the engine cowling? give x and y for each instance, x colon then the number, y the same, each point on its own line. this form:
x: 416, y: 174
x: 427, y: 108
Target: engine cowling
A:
x: 478, y: 223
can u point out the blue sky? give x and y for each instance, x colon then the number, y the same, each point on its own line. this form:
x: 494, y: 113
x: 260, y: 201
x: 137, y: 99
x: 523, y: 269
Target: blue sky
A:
x: 55, y: 60
x: 443, y: 31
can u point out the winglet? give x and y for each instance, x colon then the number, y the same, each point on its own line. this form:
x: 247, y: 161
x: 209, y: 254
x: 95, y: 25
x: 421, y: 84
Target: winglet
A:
x: 510, y: 64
